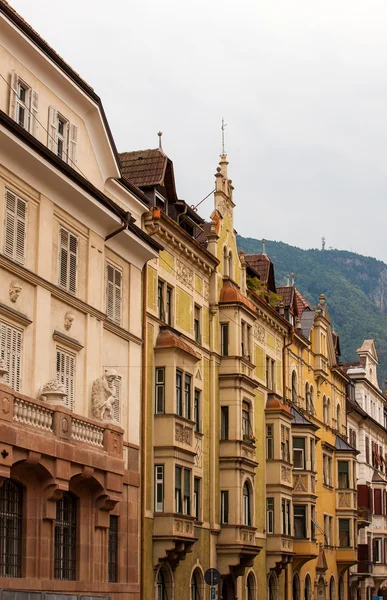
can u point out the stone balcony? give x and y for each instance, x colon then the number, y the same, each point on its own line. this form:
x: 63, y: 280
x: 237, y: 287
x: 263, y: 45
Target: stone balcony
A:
x: 238, y: 453
x: 321, y: 366
x: 345, y: 557
x: 173, y: 537
x: 170, y: 430
x: 364, y: 517
x: 236, y: 547
x: 231, y: 366
x: 305, y: 550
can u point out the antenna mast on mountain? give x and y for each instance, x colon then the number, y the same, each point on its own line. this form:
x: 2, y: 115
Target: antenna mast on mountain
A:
x: 323, y: 243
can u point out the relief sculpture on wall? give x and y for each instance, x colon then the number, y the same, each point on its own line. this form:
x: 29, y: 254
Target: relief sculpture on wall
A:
x: 103, y: 396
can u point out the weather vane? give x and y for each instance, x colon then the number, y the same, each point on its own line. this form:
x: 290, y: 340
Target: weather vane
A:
x: 224, y: 125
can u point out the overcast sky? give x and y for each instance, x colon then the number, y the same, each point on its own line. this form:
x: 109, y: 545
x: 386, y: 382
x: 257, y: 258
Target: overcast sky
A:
x: 301, y: 84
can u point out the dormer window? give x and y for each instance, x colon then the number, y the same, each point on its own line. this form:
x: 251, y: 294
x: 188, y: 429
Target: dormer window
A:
x: 62, y: 137
x: 23, y: 104
x: 159, y: 201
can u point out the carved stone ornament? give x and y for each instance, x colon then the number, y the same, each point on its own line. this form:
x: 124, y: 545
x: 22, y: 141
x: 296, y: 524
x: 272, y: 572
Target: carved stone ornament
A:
x: 69, y: 318
x: 3, y: 370
x: 15, y: 289
x: 259, y: 332
x: 103, y: 396
x: 53, y: 392
x: 184, y: 274
x: 206, y: 290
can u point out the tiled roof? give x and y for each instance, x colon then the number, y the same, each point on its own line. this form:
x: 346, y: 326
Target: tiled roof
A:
x: 302, y: 304
x: 144, y: 167
x: 343, y: 446
x: 260, y: 263
x: 202, y: 237
x: 230, y: 294
x: 286, y: 293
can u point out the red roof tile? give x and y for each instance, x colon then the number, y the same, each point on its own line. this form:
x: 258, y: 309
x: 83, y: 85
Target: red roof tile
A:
x: 260, y: 263
x: 230, y: 294
x: 144, y: 167
x: 302, y: 304
x: 286, y: 293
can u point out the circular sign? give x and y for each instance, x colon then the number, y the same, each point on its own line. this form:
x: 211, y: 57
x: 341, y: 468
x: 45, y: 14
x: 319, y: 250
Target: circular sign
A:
x: 212, y: 576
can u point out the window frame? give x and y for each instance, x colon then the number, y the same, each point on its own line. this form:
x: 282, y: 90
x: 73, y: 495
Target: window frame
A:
x: 113, y: 557
x: 224, y: 339
x: 224, y: 507
x: 196, y: 498
x: 62, y: 526
x: 69, y: 385
x: 159, y: 488
x: 299, y: 450
x: 11, y: 532
x: 179, y: 392
x: 11, y: 336
x: 15, y: 249
x: 300, y: 516
x: 196, y: 415
x: 270, y: 514
x: 114, y: 311
x: 224, y: 423
x: 159, y: 391
x: 71, y: 284
x: 270, y: 441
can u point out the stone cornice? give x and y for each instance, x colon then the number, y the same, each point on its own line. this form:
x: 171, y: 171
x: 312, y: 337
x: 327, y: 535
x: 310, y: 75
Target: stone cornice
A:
x: 64, y: 296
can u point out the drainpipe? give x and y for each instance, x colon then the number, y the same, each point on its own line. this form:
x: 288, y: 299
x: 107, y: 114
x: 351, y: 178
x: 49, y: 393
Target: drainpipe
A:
x: 143, y: 435
x: 124, y: 225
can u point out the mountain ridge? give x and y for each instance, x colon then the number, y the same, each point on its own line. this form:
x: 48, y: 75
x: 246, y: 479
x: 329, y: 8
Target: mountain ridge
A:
x: 355, y: 287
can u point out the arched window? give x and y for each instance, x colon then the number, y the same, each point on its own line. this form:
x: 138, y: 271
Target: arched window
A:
x: 196, y: 585
x: 230, y: 265
x: 311, y: 399
x: 341, y: 588
x: 338, y: 414
x: 226, y: 265
x: 325, y: 410
x: 307, y: 588
x: 332, y: 589
x: 11, y: 506
x: 307, y: 397
x: 246, y: 505
x: 66, y: 537
x: 163, y: 584
x: 272, y: 587
x: 294, y: 388
x: 296, y: 587
x: 328, y: 411
x: 250, y: 587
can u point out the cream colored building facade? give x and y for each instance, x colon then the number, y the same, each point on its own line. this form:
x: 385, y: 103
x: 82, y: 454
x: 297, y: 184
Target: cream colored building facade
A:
x: 72, y: 253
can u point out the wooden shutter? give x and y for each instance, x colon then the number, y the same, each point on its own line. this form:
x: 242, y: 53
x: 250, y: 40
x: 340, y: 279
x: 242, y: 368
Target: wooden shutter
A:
x: 15, y: 227
x: 13, y: 95
x: 72, y: 145
x: 68, y: 249
x: 11, y: 352
x: 378, y: 502
x: 65, y: 374
x: 363, y: 496
x: 113, y: 293
x: 34, y: 113
x: 52, y: 139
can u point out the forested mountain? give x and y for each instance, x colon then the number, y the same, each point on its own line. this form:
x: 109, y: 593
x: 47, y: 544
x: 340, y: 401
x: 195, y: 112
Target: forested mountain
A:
x: 355, y: 288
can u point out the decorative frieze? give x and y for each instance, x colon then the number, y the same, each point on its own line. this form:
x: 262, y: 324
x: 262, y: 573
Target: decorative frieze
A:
x: 183, y: 434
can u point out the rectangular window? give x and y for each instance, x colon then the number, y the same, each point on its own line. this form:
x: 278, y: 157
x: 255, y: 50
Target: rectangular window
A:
x: 298, y: 453
x: 246, y: 428
x: 159, y: 488
x: 248, y: 342
x: 344, y: 533
x: 197, y: 410
x: 179, y: 393
x: 377, y: 550
x: 299, y: 521
x: 187, y: 396
x: 270, y: 373
x: 178, y: 491
x: 285, y: 510
x: 269, y: 515
x: 343, y: 474
x: 224, y: 339
x: 269, y: 442
x: 243, y: 336
x: 288, y: 517
x: 62, y: 137
x: 65, y: 374
x: 113, y: 549
x: 224, y: 422
x: 312, y: 454
x: 68, y: 250
x: 196, y: 498
x: 23, y: 104
x: 11, y: 352
x: 113, y: 293
x: 187, y: 492
x: 160, y: 300
x: 197, y: 328
x: 168, y: 306
x: 285, y: 446
x: 160, y: 390
x: 224, y: 507
x: 313, y: 522
x: 15, y: 225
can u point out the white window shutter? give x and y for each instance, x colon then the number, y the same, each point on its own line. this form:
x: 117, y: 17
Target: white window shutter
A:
x: 63, y: 256
x: 73, y: 140
x: 65, y: 374
x: 15, y: 227
x: 68, y: 251
x: 73, y: 247
x: 11, y: 351
x: 52, y: 140
x: 13, y: 95
x: 34, y: 113
x: 113, y: 293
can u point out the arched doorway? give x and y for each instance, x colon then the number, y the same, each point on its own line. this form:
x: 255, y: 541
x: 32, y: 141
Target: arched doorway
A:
x: 197, y: 585
x: 251, y: 587
x: 307, y: 588
x: 163, y: 584
x: 332, y: 589
x: 228, y: 588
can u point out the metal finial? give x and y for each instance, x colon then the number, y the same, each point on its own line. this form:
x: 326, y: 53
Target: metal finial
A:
x: 223, y: 128
x: 160, y: 133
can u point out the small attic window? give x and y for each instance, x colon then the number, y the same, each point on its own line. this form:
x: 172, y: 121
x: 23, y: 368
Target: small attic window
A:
x: 159, y: 201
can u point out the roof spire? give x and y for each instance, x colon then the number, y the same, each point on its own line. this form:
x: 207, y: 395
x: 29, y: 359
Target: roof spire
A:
x: 224, y: 125
x: 160, y: 133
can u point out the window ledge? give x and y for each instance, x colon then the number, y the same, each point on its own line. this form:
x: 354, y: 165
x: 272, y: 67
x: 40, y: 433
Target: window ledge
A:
x: 67, y: 341
x: 14, y: 315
